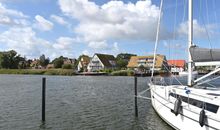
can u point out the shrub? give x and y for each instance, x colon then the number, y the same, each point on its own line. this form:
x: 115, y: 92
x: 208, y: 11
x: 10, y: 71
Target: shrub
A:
x: 123, y: 73
x: 67, y: 66
x: 106, y: 71
x: 38, y: 71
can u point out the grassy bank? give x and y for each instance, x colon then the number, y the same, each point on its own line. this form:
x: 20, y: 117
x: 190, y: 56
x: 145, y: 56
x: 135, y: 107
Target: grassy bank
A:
x: 123, y: 73
x: 68, y: 72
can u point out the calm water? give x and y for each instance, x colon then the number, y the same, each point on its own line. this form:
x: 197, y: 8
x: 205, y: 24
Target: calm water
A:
x: 75, y: 103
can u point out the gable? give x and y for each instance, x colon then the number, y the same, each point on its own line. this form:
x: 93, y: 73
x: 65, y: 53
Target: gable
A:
x: 107, y: 60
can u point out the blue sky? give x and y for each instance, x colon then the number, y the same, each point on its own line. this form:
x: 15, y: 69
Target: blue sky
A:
x: 74, y: 27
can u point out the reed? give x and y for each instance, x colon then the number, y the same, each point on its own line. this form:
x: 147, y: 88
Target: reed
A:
x: 68, y: 72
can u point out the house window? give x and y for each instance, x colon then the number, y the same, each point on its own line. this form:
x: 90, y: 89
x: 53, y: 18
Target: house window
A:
x: 150, y: 59
x: 146, y: 61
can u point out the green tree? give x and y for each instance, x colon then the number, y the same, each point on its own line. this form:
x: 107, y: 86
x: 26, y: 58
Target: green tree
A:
x: 58, y: 62
x: 44, y: 61
x: 122, y: 60
x: 79, y: 58
x: 22, y: 65
x: 84, y: 68
x: 142, y: 68
x: 10, y: 59
x: 67, y: 66
x: 121, y: 63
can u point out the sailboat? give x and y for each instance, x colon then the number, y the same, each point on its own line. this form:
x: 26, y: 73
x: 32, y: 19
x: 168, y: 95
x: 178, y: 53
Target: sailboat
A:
x: 192, y: 106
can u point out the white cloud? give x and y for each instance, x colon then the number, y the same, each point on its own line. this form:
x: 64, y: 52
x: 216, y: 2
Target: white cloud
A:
x: 43, y: 24
x: 11, y: 12
x: 25, y: 42
x: 64, y: 43
x: 199, y: 31
x: 175, y: 45
x: 86, y: 52
x: 113, y: 20
x: 103, y: 47
x: 65, y: 46
x: 115, y: 47
x: 12, y: 17
x: 98, y: 45
x: 5, y: 20
x: 59, y: 19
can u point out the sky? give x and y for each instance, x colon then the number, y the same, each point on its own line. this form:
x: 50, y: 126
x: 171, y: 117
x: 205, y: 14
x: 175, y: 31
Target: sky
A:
x: 74, y: 27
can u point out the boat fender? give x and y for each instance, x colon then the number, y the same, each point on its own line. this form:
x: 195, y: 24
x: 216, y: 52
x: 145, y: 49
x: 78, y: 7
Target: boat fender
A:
x: 177, y: 106
x: 202, y: 118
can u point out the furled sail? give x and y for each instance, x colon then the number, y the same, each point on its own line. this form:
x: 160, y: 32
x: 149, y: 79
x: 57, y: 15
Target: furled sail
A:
x: 204, y: 54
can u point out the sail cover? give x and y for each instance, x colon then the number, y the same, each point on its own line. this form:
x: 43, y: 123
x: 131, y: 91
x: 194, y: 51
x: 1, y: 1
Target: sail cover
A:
x: 204, y: 54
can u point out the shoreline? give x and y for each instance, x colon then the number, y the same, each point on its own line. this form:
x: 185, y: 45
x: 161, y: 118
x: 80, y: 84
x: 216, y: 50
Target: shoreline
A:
x: 71, y: 72
x: 64, y: 72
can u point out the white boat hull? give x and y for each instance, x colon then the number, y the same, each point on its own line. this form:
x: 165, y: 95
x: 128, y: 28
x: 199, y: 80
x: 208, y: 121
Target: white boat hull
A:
x: 187, y: 120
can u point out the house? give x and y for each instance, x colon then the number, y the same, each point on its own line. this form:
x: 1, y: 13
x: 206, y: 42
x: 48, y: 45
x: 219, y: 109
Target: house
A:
x: 177, y: 65
x: 146, y: 62
x: 50, y: 66
x: 83, y: 63
x: 35, y: 64
x: 101, y: 62
x: 69, y: 61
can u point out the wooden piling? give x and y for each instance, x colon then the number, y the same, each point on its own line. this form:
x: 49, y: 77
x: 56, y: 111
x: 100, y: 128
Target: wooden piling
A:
x: 43, y: 97
x: 135, y: 98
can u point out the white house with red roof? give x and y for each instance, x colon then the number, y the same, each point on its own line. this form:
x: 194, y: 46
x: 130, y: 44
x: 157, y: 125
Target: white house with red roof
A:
x: 177, y: 65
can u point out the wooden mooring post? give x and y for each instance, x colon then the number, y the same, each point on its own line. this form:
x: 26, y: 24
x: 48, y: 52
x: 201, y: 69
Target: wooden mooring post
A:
x: 135, y: 98
x: 43, y: 97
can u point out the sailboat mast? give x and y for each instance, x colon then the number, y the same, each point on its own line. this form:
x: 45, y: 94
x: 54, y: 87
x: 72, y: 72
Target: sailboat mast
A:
x: 190, y: 39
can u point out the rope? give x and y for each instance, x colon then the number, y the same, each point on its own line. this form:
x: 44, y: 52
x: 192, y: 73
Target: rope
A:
x: 215, y: 14
x: 207, y: 11
x: 209, y: 80
x: 183, y: 19
x: 157, y: 38
x: 200, y: 10
x: 174, y: 26
x: 214, y: 8
x: 139, y: 95
x: 148, y: 98
x: 202, y: 19
x: 169, y: 71
x: 144, y: 91
x: 184, y: 10
x: 211, y: 85
x: 173, y: 75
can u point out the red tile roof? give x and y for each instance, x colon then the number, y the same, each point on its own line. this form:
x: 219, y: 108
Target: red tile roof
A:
x: 176, y: 63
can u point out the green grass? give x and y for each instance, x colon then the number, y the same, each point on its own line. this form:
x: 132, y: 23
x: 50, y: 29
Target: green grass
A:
x: 67, y: 72
x: 123, y: 73
x: 38, y: 71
